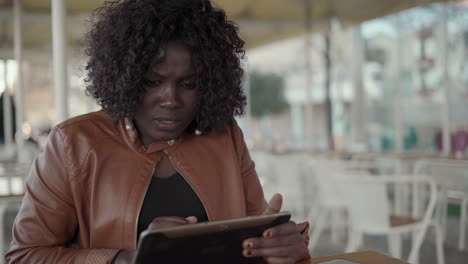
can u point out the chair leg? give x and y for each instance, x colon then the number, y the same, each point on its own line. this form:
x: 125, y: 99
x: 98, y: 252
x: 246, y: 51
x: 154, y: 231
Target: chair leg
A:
x: 394, y: 244
x: 461, y: 237
x: 418, y: 237
x: 321, y: 221
x: 354, y: 240
x: 439, y: 214
x: 439, y: 245
x: 343, y: 223
x: 335, y: 226
x: 444, y: 216
x: 314, y: 211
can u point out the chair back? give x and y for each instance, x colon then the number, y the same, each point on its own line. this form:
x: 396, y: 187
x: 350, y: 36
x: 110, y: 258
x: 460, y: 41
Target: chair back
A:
x: 452, y: 174
x: 369, y: 203
x: 282, y: 174
x: 325, y: 173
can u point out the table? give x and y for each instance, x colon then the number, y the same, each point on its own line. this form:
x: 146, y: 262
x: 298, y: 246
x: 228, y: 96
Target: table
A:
x: 364, y: 257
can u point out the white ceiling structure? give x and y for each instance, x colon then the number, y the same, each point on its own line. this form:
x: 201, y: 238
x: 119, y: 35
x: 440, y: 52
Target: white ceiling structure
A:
x: 260, y: 21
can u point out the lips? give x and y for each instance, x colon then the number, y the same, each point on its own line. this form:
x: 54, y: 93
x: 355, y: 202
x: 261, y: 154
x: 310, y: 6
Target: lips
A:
x: 168, y: 123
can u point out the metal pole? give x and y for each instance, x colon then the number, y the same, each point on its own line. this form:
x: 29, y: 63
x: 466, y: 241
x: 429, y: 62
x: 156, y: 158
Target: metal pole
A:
x: 308, y: 111
x: 7, y: 122
x: 18, y: 51
x: 359, y: 101
x: 328, y: 101
x: 446, y: 111
x: 398, y: 111
x: 59, y: 45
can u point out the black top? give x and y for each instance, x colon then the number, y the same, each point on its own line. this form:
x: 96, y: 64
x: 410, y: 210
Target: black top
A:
x: 171, y: 196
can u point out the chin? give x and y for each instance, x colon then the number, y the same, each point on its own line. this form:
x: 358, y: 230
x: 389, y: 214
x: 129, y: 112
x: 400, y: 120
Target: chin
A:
x: 166, y: 136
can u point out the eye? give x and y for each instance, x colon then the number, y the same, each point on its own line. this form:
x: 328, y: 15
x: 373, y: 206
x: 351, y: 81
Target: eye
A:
x: 189, y: 85
x: 151, y: 83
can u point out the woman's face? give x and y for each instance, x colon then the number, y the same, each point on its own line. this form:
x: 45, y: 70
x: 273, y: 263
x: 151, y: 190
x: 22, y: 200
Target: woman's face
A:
x: 169, y: 104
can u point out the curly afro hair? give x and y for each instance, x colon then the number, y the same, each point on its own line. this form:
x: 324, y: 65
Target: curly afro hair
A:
x: 125, y: 37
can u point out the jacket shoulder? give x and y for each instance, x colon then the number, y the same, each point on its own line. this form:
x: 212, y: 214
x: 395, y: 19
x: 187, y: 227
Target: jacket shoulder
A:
x: 89, y: 128
x: 81, y: 134
x: 89, y: 121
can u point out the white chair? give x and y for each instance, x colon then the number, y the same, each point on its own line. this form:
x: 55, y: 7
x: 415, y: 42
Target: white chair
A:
x: 462, y: 199
x: 287, y: 174
x: 451, y: 176
x: 331, y: 205
x: 264, y: 170
x: 370, y: 213
x: 281, y: 174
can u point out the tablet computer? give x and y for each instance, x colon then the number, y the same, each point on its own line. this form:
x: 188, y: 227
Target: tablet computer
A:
x: 208, y: 242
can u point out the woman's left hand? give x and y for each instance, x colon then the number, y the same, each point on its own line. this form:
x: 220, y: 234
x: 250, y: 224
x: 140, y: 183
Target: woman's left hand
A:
x: 281, y: 244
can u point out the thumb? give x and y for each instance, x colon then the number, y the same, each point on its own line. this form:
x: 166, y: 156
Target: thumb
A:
x: 191, y: 220
x: 274, y: 206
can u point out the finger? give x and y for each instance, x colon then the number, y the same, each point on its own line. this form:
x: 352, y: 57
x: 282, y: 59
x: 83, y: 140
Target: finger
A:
x: 191, y: 220
x: 281, y: 230
x: 163, y: 224
x: 274, y: 206
x: 167, y: 221
x: 176, y: 219
x: 275, y: 260
x: 285, y: 252
x: 255, y: 243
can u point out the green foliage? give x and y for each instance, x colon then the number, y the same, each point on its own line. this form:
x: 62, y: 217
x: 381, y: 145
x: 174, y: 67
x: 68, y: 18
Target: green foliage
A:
x: 376, y: 54
x: 267, y: 94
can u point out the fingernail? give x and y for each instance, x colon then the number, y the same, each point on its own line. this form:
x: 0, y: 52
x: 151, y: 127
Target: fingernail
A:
x: 249, y: 253
x: 249, y: 244
x: 268, y: 234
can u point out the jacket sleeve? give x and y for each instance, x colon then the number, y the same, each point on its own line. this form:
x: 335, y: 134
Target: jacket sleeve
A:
x: 255, y: 200
x: 47, y: 220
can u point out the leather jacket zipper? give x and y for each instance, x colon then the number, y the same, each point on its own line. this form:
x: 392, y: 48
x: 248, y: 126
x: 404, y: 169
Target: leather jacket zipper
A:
x: 191, y: 186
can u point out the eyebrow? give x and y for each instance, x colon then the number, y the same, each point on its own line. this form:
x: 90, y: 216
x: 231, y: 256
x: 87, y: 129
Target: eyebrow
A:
x: 189, y: 76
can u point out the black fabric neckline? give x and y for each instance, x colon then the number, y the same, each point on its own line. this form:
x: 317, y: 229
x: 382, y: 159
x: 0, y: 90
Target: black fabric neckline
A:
x: 172, y: 196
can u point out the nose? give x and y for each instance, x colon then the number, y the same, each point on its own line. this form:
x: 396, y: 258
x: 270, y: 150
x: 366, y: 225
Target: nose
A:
x: 169, y: 96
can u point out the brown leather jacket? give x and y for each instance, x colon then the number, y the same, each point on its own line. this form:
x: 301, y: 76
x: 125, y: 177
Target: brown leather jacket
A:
x: 85, y: 190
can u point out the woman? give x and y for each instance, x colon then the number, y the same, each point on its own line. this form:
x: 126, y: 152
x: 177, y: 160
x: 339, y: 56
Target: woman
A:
x: 165, y: 150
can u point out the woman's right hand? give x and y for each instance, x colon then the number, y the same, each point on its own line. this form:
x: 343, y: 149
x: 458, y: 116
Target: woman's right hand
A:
x: 169, y: 221
x: 127, y: 257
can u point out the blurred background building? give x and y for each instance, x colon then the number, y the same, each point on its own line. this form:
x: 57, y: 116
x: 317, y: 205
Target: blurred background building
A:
x: 388, y: 77
x: 381, y: 83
